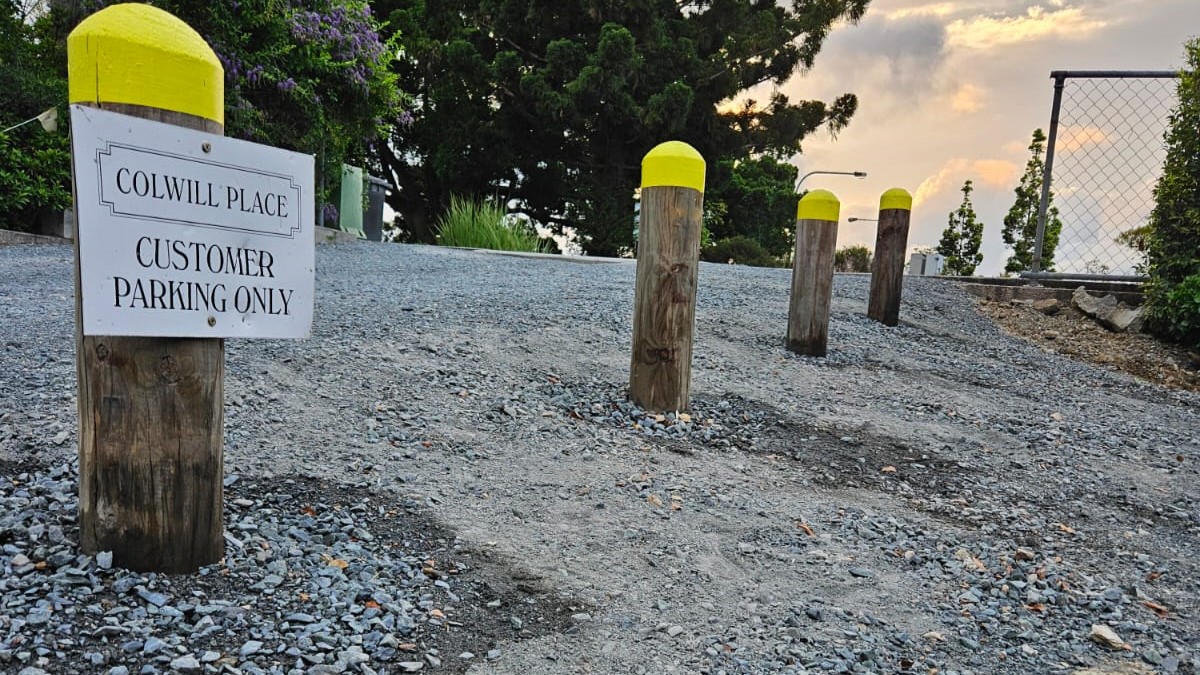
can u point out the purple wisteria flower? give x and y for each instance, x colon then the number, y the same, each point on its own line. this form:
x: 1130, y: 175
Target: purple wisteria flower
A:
x: 329, y: 214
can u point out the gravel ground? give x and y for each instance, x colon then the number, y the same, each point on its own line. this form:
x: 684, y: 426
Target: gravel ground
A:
x: 447, y: 478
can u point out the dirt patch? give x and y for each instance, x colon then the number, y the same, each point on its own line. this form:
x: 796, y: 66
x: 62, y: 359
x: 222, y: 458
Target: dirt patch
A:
x: 1073, y: 334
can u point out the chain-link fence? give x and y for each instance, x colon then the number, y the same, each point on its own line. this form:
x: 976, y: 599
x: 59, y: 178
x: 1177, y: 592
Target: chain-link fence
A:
x: 1104, y: 156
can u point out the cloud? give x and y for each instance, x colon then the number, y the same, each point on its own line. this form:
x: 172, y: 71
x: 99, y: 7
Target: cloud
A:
x: 998, y: 173
x: 1072, y: 138
x: 932, y: 9
x: 935, y: 184
x: 1037, y: 23
x: 968, y: 98
x: 1017, y: 147
x: 912, y: 48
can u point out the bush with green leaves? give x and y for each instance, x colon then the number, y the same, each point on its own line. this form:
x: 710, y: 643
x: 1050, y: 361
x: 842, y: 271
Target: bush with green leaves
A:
x: 852, y: 259
x: 739, y: 250
x: 35, y: 169
x: 1175, y: 312
x: 1173, y: 294
x: 471, y: 224
x: 34, y: 178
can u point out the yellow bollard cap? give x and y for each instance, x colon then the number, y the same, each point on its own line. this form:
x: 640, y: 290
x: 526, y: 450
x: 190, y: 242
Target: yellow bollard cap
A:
x: 140, y: 55
x: 896, y: 198
x: 673, y: 164
x: 819, y: 205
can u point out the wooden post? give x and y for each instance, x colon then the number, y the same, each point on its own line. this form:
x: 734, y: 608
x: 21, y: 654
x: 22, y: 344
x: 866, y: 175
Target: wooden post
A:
x: 887, y: 269
x: 812, y: 273
x: 664, y: 315
x: 151, y: 412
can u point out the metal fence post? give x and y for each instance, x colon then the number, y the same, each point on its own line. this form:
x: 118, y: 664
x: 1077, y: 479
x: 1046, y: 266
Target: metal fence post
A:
x: 1104, y: 139
x: 1048, y: 169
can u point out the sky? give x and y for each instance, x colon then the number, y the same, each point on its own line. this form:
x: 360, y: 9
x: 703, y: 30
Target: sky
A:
x: 951, y: 91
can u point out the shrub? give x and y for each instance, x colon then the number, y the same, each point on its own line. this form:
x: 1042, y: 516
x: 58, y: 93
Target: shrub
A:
x: 1176, y: 313
x: 1173, y: 295
x: 471, y: 224
x: 35, y: 178
x: 739, y: 250
x: 852, y: 259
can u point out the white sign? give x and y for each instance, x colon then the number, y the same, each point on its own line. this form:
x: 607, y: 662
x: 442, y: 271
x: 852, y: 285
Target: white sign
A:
x: 188, y: 234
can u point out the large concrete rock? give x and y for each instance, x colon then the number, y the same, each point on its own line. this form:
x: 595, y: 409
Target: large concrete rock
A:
x: 1107, y: 311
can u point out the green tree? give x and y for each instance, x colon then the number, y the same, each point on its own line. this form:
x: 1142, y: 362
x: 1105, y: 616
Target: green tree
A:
x: 962, y: 238
x: 307, y: 75
x: 1020, y: 225
x: 35, y: 179
x: 760, y: 198
x: 553, y: 104
x: 855, y: 258
x: 1173, y: 294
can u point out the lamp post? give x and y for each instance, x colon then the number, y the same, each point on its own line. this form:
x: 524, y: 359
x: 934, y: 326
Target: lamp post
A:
x: 856, y: 174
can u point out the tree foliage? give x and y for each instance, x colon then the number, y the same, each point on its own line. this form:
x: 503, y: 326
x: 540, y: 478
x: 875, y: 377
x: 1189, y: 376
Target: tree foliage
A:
x: 855, y: 258
x: 1173, y: 243
x: 962, y: 238
x: 35, y: 178
x: 307, y: 75
x: 1020, y: 225
x: 759, y: 201
x: 553, y: 104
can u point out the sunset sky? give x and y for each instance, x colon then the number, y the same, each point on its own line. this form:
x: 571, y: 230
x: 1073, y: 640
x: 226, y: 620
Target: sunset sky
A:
x: 950, y: 91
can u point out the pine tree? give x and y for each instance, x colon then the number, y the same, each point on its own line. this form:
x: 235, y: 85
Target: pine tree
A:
x: 551, y: 105
x: 1020, y: 225
x: 962, y: 238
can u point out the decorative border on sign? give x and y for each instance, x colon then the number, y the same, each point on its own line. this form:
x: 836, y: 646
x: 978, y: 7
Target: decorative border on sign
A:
x: 114, y: 211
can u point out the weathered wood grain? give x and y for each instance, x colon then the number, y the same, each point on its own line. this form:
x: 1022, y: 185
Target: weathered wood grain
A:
x: 887, y: 268
x: 812, y: 287
x: 151, y: 422
x: 660, y: 371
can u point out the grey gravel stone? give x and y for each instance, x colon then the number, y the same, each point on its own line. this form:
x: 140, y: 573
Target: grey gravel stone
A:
x: 503, y: 401
x: 186, y: 664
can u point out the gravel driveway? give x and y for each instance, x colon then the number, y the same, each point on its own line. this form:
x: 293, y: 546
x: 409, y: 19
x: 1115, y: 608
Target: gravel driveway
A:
x: 447, y: 478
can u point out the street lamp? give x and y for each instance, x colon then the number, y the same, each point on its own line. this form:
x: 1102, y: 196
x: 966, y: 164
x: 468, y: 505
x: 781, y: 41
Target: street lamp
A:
x: 856, y: 174
x: 867, y: 220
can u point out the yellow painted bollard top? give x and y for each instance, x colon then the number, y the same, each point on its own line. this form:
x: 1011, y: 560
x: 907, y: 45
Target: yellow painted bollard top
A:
x: 896, y: 198
x: 673, y: 164
x: 819, y: 205
x: 140, y: 55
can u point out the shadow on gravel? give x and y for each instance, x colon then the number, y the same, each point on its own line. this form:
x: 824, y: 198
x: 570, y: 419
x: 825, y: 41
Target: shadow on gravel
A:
x: 830, y: 457
x: 316, y: 575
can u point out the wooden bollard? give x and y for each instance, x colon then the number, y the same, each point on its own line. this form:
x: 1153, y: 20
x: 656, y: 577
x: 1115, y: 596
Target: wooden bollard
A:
x: 664, y: 314
x: 151, y: 412
x: 812, y: 273
x: 887, y: 269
